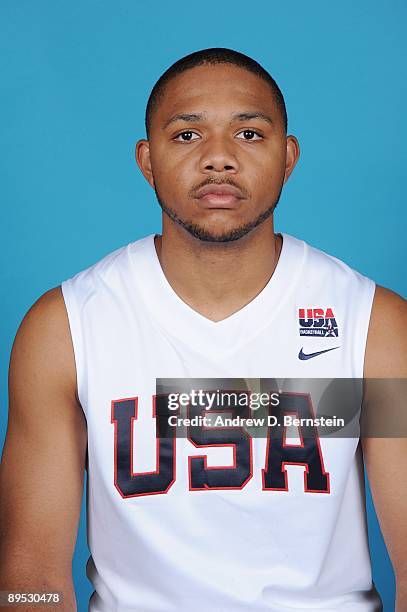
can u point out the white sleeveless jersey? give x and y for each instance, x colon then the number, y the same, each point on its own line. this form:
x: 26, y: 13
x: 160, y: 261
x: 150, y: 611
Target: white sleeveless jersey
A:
x: 181, y: 525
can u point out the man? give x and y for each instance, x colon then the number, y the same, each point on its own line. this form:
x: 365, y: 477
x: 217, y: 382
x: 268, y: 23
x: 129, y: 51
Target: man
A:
x: 190, y: 523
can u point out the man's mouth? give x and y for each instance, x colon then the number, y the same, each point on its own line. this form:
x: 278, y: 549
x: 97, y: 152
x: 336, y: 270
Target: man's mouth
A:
x: 219, y: 196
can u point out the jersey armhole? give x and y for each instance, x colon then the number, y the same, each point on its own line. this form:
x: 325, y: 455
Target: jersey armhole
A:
x: 362, y: 323
x: 76, y: 336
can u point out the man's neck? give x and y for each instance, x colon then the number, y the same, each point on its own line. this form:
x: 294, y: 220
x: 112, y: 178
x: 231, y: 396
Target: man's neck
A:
x: 218, y: 279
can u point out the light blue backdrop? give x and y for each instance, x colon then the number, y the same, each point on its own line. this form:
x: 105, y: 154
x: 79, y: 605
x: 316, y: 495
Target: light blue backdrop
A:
x: 75, y: 79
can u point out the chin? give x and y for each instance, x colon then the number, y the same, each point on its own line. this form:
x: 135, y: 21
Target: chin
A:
x: 217, y: 235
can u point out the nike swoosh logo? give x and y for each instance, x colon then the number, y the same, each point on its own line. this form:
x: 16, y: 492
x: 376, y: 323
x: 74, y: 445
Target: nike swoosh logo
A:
x: 303, y: 356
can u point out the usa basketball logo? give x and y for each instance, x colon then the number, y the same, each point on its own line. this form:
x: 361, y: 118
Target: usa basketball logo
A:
x: 317, y: 322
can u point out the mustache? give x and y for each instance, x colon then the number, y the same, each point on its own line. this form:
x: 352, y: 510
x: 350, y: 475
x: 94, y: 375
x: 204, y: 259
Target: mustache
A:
x: 218, y: 181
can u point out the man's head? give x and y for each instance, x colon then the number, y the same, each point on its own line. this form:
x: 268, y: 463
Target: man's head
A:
x: 217, y: 152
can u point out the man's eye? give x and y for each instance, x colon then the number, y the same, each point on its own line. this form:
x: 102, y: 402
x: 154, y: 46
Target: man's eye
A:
x: 249, y: 135
x: 186, y: 136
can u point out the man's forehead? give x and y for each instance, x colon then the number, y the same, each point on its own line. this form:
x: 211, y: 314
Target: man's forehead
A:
x: 206, y: 89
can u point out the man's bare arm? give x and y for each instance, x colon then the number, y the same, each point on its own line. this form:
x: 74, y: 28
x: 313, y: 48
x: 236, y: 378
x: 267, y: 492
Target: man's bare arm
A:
x: 386, y: 458
x: 42, y: 469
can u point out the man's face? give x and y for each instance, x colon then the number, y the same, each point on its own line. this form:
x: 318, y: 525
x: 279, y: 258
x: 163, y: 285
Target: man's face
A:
x: 217, y: 154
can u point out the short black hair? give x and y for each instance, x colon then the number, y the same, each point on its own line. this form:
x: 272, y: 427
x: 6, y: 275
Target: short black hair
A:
x: 214, y: 55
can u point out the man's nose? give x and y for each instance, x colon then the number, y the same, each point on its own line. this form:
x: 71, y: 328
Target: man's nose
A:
x: 219, y: 156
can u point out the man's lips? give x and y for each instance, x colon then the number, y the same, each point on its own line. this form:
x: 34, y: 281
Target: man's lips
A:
x: 219, y: 196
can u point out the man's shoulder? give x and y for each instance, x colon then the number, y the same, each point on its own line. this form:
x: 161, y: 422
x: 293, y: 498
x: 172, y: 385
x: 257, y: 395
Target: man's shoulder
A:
x: 386, y: 349
x: 43, y: 341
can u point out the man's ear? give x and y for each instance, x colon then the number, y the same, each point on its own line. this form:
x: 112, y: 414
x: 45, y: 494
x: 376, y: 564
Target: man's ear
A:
x: 293, y: 153
x: 143, y: 160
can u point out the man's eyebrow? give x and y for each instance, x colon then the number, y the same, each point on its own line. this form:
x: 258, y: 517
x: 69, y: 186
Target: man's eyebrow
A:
x: 184, y: 117
x: 246, y: 116
x: 195, y: 117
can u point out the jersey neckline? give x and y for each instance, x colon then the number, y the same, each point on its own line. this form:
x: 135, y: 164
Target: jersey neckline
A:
x: 179, y: 319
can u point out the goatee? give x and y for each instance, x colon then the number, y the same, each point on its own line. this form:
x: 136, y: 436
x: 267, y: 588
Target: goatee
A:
x: 205, y: 235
